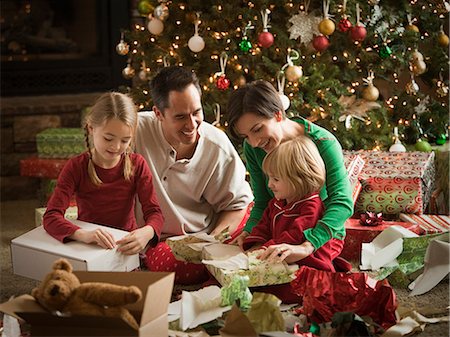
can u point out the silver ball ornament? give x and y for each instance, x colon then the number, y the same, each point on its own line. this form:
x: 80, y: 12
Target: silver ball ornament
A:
x: 285, y: 101
x: 196, y: 43
x: 122, y: 48
x: 161, y: 12
x: 128, y: 72
x: 155, y: 26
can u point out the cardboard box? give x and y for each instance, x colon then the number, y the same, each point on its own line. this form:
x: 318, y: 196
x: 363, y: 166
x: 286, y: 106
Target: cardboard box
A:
x: 357, y: 234
x: 150, y: 312
x: 41, y: 168
x: 34, y: 252
x: 60, y: 142
x: 71, y: 214
x: 395, y: 182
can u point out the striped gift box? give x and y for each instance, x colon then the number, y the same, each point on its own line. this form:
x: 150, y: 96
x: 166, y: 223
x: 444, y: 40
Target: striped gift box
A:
x: 429, y: 223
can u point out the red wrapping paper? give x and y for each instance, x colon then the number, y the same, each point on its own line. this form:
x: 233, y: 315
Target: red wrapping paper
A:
x: 41, y: 168
x: 325, y: 293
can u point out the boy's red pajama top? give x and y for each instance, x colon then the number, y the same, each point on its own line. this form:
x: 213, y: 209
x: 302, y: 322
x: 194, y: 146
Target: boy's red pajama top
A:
x: 110, y: 204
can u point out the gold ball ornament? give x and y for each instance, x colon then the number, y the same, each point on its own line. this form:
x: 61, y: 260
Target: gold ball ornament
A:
x: 371, y: 93
x: 128, y: 72
x: 418, y: 67
x: 443, y: 39
x: 293, y: 73
x: 416, y: 56
x: 413, y: 28
x: 442, y: 89
x: 327, y: 26
x: 122, y: 48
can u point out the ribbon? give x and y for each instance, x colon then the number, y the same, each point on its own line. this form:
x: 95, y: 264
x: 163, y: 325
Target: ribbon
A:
x: 326, y: 8
x: 196, y: 23
x: 358, y: 13
x: 290, y: 58
x: 371, y: 219
x: 223, y: 63
x: 165, y: 61
x: 217, y: 114
x: 370, y: 78
x: 265, y: 19
x: 281, y: 80
x: 344, y: 9
x: 249, y: 26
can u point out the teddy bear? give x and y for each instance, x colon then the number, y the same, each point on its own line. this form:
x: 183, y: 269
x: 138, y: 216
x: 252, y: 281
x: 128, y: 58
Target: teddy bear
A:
x: 62, y: 291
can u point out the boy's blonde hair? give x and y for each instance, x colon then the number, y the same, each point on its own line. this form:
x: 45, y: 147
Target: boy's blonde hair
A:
x: 299, y: 162
x: 111, y: 105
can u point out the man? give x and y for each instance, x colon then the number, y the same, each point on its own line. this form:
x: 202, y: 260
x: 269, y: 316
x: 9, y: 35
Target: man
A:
x: 198, y: 175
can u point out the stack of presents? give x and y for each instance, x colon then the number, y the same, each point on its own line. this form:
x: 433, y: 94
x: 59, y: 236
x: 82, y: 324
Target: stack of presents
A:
x: 390, y: 239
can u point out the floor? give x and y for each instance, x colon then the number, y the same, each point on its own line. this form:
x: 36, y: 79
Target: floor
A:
x: 17, y: 217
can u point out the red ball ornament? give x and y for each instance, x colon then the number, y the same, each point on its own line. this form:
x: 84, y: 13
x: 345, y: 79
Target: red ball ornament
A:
x: 358, y: 33
x: 344, y: 25
x: 320, y: 43
x: 223, y: 83
x: 265, y: 39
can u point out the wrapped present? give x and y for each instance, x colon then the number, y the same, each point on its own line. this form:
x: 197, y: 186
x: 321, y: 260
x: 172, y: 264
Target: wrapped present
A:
x: 225, y: 262
x: 41, y: 168
x: 357, y: 234
x: 189, y: 247
x: 395, y: 182
x: 431, y: 224
x: 354, y: 164
x: 71, y: 214
x: 60, y: 142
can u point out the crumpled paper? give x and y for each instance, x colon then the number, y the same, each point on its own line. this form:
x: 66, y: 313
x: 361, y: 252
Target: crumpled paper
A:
x: 237, y: 290
x: 264, y: 313
x: 189, y: 247
x: 325, y: 293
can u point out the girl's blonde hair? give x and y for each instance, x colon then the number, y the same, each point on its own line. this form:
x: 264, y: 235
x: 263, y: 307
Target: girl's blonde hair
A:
x: 111, y: 105
x: 299, y: 162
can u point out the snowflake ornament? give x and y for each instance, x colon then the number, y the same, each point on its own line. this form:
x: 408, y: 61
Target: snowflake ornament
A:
x: 304, y: 25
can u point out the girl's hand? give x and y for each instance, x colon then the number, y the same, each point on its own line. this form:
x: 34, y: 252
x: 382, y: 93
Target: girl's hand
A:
x: 239, y: 240
x: 98, y: 236
x: 136, y: 241
x: 287, y: 252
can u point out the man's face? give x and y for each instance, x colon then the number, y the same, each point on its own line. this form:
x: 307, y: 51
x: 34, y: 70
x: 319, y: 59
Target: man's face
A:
x: 180, y: 121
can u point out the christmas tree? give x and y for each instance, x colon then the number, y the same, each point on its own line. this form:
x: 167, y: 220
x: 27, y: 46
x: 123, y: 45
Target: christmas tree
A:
x: 359, y: 68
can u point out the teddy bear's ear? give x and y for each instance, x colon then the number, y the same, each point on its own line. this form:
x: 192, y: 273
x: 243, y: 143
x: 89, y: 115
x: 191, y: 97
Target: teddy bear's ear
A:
x: 62, y: 264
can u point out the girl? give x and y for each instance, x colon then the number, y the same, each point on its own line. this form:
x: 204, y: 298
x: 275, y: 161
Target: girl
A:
x: 105, y: 181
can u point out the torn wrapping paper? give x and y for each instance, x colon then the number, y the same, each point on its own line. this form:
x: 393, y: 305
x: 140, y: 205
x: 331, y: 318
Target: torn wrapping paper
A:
x: 225, y: 262
x: 198, y: 307
x: 189, y: 247
x: 410, y: 261
x: 237, y: 324
x: 237, y: 290
x: 430, y: 224
x: 385, y: 248
x: 436, y: 265
x: 264, y: 313
x: 325, y: 293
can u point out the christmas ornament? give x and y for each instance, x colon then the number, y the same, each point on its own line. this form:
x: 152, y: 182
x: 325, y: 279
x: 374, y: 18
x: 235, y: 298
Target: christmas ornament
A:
x: 196, y: 42
x: 285, y: 101
x: 442, y: 88
x: 385, y: 51
x: 155, y: 26
x: 417, y: 67
x: 222, y: 82
x: 320, y: 43
x: 412, y: 87
x: 161, y: 12
x: 442, y: 39
x: 344, y: 25
x: 122, y: 47
x: 397, y: 146
x: 265, y: 39
x: 304, y: 25
x: 144, y: 73
x: 370, y: 93
x: 245, y: 45
x: 441, y: 139
x: 291, y: 71
x: 371, y: 219
x: 416, y: 56
x: 355, y: 108
x: 411, y: 26
x: 145, y: 7
x: 326, y: 26
x: 422, y: 146
x: 128, y: 72
x: 358, y: 32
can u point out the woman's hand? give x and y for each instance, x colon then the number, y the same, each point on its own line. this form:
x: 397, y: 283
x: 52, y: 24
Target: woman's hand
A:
x: 98, y: 236
x: 239, y: 240
x: 287, y: 252
x: 136, y: 241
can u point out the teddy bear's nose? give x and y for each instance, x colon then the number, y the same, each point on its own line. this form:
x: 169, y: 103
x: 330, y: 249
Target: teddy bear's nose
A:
x: 54, y: 291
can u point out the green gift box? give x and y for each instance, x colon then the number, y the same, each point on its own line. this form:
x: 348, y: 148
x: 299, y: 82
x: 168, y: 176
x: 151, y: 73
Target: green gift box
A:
x: 60, y: 142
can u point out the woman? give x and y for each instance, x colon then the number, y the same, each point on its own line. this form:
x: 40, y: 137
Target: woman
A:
x: 255, y: 113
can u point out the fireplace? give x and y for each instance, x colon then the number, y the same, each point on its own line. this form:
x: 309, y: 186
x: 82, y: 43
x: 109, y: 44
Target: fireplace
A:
x: 61, y: 46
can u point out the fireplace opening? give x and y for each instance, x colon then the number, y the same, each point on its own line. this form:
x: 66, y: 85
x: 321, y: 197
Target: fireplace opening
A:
x: 61, y: 46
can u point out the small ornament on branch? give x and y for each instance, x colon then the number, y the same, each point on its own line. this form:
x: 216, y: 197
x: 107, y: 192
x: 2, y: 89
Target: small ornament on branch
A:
x: 412, y: 88
x: 304, y: 25
x: 411, y: 26
x: 284, y: 99
x: 358, y: 32
x: 245, y: 45
x: 326, y: 26
x: 144, y: 7
x: 122, y: 47
x: 442, y: 38
x: 320, y: 43
x: 416, y: 64
x: 291, y: 71
x: 222, y: 82
x: 161, y: 12
x: 397, y: 146
x: 196, y: 43
x: 442, y: 88
x: 155, y: 26
x: 265, y: 39
x: 371, y: 92
x: 344, y: 23
x: 144, y: 73
x: 128, y: 72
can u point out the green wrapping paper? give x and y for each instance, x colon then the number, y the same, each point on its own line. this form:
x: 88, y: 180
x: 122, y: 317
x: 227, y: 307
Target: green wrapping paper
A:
x: 60, y: 142
x: 264, y: 313
x: 410, y: 261
x: 237, y: 290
